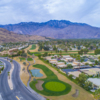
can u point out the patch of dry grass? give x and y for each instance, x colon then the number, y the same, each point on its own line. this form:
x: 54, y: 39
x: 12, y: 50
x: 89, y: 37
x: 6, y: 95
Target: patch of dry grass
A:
x: 91, y: 52
x: 23, y: 74
x: 27, y: 48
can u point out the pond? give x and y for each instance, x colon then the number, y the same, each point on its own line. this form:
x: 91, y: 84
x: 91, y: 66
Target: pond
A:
x: 36, y: 73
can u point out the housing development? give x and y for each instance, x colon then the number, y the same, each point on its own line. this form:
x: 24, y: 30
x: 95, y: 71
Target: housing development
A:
x: 43, y: 70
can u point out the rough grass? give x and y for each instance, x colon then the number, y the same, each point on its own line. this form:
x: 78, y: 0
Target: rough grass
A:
x: 33, y: 47
x: 22, y: 58
x: 51, y: 77
x: 23, y: 74
x: 29, y: 59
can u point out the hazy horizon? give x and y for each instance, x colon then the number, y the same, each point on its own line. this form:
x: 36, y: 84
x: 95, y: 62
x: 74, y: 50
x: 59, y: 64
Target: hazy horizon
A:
x: 80, y: 11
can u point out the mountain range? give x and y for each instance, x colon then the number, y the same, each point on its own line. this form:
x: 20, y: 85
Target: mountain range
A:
x: 59, y: 29
x: 7, y: 36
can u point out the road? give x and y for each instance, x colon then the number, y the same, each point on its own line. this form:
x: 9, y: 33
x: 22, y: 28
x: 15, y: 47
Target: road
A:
x: 5, y: 91
x: 19, y: 89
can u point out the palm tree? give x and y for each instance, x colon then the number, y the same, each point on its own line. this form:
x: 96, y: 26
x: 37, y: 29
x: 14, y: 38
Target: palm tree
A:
x: 9, y: 74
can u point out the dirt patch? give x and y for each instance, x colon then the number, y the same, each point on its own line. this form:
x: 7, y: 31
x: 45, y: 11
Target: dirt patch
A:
x: 39, y: 85
x: 23, y: 73
x: 27, y: 48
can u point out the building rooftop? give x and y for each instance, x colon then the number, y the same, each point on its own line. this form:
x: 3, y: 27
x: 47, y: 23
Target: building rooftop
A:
x: 95, y: 81
x: 95, y: 69
x: 75, y: 73
x: 88, y: 72
x: 60, y: 63
x: 53, y: 60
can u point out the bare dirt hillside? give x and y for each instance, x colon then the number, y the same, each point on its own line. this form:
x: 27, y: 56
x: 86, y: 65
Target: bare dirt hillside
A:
x: 7, y: 36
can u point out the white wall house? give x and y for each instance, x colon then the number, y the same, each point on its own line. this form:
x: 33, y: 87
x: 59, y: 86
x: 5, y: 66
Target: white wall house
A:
x: 95, y: 82
x: 75, y: 74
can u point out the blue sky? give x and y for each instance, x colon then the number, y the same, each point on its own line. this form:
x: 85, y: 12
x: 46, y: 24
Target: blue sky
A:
x: 84, y: 11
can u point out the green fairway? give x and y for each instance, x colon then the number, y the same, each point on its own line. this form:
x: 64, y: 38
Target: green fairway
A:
x: 55, y: 86
x: 52, y: 86
x: 29, y: 59
x: 33, y: 47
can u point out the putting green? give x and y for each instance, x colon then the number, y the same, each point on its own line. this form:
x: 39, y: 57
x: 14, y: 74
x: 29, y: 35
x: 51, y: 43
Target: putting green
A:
x: 55, y: 86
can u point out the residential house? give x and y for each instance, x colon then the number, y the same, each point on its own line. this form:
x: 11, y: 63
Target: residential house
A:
x: 87, y: 72
x: 95, y: 70
x: 53, y: 61
x: 77, y: 63
x: 70, y: 59
x: 12, y: 51
x: 95, y: 82
x: 66, y: 56
x: 82, y: 66
x: 75, y: 74
x: 48, y: 57
x: 61, y: 65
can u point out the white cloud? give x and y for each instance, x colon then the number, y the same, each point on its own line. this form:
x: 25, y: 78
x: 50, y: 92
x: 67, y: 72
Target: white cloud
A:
x: 15, y: 11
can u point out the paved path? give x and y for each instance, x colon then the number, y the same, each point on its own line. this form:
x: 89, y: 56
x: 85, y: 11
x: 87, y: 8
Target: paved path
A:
x: 20, y: 91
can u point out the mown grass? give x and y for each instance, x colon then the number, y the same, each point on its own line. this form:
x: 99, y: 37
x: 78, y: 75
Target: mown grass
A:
x: 91, y: 53
x: 51, y: 77
x: 33, y: 47
x: 35, y: 53
x: 55, y: 86
x: 29, y: 59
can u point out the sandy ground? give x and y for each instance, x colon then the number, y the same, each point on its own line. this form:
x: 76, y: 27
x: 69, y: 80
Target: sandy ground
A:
x: 39, y: 85
x: 27, y: 48
x: 23, y: 73
x: 83, y: 95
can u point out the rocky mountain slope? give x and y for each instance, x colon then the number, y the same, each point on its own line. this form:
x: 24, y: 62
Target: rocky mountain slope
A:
x: 56, y: 29
x: 7, y: 36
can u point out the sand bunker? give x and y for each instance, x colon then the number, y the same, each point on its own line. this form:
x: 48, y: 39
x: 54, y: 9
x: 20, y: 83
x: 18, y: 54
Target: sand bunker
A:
x: 39, y: 85
x: 76, y: 93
